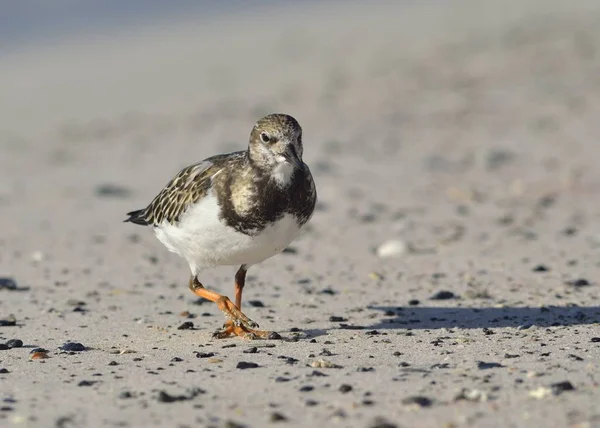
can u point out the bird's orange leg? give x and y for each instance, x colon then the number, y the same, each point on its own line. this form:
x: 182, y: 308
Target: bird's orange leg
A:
x: 238, y: 323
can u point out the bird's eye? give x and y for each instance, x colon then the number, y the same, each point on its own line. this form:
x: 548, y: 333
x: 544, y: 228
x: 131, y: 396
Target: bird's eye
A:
x: 264, y: 137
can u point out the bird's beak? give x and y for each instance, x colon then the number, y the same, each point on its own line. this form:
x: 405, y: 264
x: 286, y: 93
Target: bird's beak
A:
x: 291, y: 156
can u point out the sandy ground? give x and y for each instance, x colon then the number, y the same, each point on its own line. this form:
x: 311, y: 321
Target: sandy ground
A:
x: 466, y: 133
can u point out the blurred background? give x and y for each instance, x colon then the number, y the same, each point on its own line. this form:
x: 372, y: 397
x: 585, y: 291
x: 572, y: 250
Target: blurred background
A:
x: 416, y: 113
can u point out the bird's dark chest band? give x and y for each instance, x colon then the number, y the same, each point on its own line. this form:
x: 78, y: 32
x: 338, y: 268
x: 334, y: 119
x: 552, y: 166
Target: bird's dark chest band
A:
x: 272, y: 203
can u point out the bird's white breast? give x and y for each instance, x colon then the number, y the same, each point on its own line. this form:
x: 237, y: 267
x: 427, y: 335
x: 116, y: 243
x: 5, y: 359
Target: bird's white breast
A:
x: 204, y: 240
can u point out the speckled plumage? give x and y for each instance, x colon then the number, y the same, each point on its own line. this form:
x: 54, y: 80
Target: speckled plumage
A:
x: 248, y: 195
x: 238, y: 208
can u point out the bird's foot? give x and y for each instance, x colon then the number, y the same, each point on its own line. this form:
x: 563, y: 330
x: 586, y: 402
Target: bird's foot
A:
x: 236, y: 317
x: 230, y: 328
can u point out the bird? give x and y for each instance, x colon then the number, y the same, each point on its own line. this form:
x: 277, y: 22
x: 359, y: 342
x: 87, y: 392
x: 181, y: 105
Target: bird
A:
x: 236, y: 209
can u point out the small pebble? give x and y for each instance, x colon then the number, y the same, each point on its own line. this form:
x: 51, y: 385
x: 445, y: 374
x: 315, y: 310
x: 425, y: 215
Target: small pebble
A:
x: 108, y: 190
x: 323, y: 364
x: 252, y: 350
x: 443, y: 295
x: 345, y: 388
x: 8, y: 322
x: 205, y: 354
x: 243, y: 365
x: 560, y: 387
x: 188, y: 325
x: 256, y: 303
x: 413, y: 302
x: 335, y: 318
x: 382, y: 423
x: 481, y: 365
x: 4, y: 371
x: 577, y: 283
x: 277, y: 417
x: 164, y: 397
x: 38, y: 354
x: 595, y: 340
x: 392, y: 248
x: 8, y: 284
x: 307, y: 388
x: 72, y: 347
x: 418, y: 401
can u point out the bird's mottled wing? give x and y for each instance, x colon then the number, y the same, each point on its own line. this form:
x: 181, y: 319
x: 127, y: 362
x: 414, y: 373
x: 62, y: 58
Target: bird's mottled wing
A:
x: 186, y: 188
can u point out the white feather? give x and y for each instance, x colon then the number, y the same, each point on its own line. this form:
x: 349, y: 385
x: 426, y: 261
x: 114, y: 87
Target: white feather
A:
x: 205, y: 241
x: 282, y: 173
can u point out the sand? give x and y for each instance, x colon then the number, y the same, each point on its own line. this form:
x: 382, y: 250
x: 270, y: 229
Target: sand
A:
x: 449, y: 277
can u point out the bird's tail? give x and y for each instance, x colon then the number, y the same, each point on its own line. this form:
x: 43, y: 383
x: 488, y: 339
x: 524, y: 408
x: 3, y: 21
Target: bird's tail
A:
x: 137, y: 217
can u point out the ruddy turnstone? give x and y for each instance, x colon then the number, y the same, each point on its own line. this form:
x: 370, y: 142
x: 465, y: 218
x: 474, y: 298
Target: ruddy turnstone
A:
x: 237, y: 208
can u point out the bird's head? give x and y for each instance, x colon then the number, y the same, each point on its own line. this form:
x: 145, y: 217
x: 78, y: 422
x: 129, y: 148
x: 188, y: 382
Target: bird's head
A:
x: 276, y: 145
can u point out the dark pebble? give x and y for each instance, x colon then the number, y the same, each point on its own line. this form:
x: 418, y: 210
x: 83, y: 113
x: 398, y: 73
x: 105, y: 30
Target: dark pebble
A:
x: 8, y: 322
x: 72, y: 347
x: 351, y: 327
x: 328, y: 291
x: 125, y: 394
x: 3, y: 347
x: 365, y: 369
x: 581, y: 282
x: 230, y: 345
x: 113, y: 363
x: 418, y: 400
x: 382, y: 423
x: 243, y: 365
x: 34, y: 350
x: 307, y: 388
x: 8, y: 284
x: 164, y: 397
x: 274, y: 336
x: 4, y: 371
x: 560, y: 387
x: 252, y: 350
x: 575, y: 357
x: 188, y: 325
x: 541, y: 268
x: 86, y: 383
x: 481, y: 365
x: 281, y: 379
x: 595, y: 340
x: 443, y: 295
x: 176, y: 360
x: 311, y: 403
x: 345, y: 388
x: 256, y: 303
x: 335, y: 318
x: 317, y: 373
x: 277, y: 417
x: 112, y: 191
x: 413, y: 302
x: 205, y: 354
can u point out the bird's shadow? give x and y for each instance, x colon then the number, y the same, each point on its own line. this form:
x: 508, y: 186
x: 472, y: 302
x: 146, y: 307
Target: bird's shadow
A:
x: 484, y: 317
